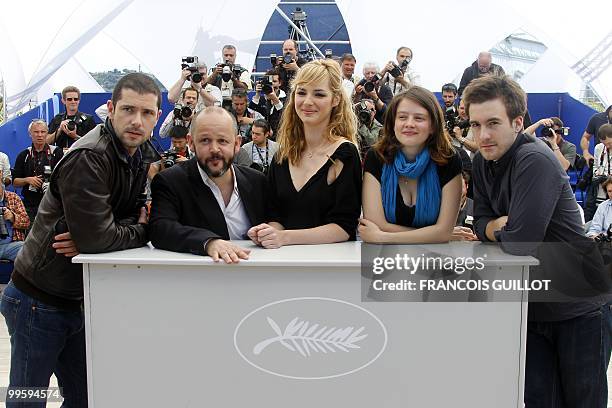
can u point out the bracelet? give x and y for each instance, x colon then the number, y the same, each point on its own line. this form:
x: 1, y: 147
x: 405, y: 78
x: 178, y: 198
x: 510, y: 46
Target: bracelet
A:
x: 554, y: 150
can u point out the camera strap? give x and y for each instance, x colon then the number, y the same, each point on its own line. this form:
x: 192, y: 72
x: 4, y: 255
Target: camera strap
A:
x: 264, y: 163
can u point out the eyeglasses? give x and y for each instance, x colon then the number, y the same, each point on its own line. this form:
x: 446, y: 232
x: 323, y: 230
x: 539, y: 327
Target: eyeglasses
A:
x: 72, y: 99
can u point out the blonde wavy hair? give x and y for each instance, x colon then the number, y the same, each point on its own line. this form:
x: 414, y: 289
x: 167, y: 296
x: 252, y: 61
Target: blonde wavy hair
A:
x: 342, y: 121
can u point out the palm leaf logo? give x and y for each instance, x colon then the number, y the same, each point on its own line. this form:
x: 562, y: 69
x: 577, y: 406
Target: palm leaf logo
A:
x: 304, y: 338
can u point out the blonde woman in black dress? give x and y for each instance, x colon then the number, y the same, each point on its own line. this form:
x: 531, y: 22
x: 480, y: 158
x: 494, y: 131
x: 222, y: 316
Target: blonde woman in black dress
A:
x: 315, y: 178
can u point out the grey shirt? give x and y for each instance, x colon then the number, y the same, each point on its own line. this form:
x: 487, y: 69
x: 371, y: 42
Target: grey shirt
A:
x: 528, y: 185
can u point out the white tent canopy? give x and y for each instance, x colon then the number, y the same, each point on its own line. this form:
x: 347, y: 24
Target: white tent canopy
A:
x: 47, y: 45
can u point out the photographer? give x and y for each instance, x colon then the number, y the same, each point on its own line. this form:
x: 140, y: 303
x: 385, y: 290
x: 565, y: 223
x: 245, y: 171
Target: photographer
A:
x: 396, y: 74
x: 349, y: 80
x: 552, y: 135
x: 369, y: 128
x: 273, y: 101
x: 288, y: 64
x: 65, y: 128
x: 261, y: 149
x: 460, y: 131
x: 603, y: 216
x: 595, y: 122
x: 33, y: 167
x: 449, y: 96
x: 14, y: 221
x: 601, y: 168
x: 179, y: 151
x: 182, y: 113
x: 244, y: 116
x: 371, y: 87
x: 228, y: 75
x: 208, y: 95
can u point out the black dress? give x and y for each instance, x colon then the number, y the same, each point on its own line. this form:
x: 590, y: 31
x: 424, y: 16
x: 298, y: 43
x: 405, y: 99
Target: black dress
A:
x: 404, y: 215
x: 318, y: 203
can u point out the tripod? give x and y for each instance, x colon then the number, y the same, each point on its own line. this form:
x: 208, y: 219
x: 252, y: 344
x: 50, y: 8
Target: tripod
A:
x: 299, y: 19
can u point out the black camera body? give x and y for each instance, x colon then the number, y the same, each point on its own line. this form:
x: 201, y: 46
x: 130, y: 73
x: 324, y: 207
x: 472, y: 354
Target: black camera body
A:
x: 451, y: 118
x: 73, y: 123
x: 398, y: 70
x: 363, y: 113
x: 548, y: 131
x: 169, y: 158
x: 266, y: 84
x: 191, y: 63
x: 604, y: 236
x: 182, y: 112
x: 369, y: 86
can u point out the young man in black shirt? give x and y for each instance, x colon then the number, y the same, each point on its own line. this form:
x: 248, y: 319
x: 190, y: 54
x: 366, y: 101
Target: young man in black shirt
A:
x: 524, y: 201
x: 67, y: 127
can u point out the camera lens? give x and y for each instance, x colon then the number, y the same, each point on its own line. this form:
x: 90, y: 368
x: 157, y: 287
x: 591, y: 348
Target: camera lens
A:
x: 71, y: 125
x: 547, y: 132
x: 369, y: 86
x: 196, y: 77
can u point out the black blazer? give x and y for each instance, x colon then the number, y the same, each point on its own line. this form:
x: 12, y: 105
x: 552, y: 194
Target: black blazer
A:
x: 185, y: 213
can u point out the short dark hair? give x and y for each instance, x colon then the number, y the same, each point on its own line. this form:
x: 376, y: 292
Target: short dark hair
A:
x: 557, y: 121
x: 404, y: 48
x: 262, y: 123
x: 347, y: 56
x: 450, y: 87
x: 178, y: 132
x: 190, y: 89
x: 139, y: 83
x: 239, y: 92
x: 604, y: 131
x: 487, y: 88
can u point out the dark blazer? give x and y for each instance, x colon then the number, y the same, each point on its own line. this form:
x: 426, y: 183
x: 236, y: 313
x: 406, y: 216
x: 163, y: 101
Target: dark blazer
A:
x: 185, y: 213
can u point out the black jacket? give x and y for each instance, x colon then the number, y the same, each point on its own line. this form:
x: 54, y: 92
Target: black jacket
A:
x: 93, y: 193
x: 183, y: 219
x: 269, y: 112
x: 472, y: 72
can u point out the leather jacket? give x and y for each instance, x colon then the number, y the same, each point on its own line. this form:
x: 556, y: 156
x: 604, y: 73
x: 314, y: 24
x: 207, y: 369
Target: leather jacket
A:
x: 93, y: 194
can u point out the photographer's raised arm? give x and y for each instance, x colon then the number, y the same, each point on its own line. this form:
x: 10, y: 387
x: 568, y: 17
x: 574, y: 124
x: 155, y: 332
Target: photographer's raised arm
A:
x: 174, y: 93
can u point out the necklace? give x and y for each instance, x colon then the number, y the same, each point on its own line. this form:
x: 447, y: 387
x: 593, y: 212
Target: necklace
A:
x: 317, y: 152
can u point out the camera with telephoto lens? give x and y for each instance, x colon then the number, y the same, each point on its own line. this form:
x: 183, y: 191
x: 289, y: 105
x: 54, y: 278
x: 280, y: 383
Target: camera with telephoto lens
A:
x: 451, y: 118
x: 363, y: 113
x: 548, y: 131
x: 226, y: 74
x: 399, y: 69
x: 266, y: 84
x: 369, y: 86
x: 169, y: 158
x: 3, y: 230
x: 191, y: 63
x: 182, y: 112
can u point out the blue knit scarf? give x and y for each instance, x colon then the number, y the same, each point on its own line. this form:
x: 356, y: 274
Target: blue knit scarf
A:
x: 428, y: 187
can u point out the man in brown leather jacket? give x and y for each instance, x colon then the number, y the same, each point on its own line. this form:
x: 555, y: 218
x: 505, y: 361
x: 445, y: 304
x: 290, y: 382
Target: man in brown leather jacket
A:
x: 93, y: 194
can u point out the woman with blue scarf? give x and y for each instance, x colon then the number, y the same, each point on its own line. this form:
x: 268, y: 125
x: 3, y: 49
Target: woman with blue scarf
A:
x: 412, y: 176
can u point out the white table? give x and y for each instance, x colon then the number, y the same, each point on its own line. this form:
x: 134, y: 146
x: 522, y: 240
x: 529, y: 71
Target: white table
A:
x: 166, y: 329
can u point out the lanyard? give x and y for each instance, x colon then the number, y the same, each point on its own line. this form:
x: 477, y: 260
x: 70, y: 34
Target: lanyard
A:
x: 264, y: 163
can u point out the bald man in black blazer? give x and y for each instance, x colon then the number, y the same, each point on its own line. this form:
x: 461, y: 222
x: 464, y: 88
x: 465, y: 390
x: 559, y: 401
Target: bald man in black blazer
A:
x: 200, y: 205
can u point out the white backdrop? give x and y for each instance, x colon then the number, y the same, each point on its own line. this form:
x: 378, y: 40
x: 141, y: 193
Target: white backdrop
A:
x: 47, y: 45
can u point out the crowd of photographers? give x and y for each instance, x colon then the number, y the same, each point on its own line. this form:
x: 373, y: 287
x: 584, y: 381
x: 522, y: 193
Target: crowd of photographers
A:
x: 227, y: 84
